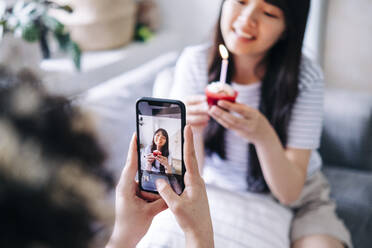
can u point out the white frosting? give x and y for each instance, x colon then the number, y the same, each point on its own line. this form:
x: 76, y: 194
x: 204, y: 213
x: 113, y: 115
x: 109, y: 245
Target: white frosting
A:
x: 218, y: 87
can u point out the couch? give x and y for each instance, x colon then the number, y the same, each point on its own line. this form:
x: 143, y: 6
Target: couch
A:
x: 346, y: 146
x: 346, y: 149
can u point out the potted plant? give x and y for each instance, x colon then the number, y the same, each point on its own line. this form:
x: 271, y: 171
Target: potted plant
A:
x: 31, y: 21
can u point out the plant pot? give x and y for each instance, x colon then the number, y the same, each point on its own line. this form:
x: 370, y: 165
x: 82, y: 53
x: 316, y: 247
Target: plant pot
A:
x: 16, y: 53
x: 99, y: 24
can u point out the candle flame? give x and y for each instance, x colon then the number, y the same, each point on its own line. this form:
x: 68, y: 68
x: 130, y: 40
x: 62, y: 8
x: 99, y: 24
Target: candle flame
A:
x: 223, y: 51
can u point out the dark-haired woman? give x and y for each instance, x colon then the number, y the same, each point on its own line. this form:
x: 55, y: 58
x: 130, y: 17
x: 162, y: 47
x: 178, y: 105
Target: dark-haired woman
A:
x: 157, y: 154
x: 266, y: 142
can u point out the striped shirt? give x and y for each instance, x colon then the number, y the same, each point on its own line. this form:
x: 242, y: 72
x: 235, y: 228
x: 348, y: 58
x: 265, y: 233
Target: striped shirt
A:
x: 304, y: 128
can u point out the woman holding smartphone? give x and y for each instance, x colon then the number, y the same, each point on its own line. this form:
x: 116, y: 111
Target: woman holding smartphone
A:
x: 266, y: 142
x: 158, y: 158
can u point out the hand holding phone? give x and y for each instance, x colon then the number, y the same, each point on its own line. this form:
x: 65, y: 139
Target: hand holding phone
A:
x: 133, y: 214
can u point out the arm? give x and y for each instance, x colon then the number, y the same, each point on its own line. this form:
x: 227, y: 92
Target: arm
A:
x: 284, y: 169
x: 303, y: 137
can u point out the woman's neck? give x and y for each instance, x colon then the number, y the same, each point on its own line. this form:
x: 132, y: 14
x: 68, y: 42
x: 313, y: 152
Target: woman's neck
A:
x: 246, y: 70
x: 158, y: 147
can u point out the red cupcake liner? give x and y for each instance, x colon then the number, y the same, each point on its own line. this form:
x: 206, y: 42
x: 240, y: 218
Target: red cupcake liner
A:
x: 213, y: 98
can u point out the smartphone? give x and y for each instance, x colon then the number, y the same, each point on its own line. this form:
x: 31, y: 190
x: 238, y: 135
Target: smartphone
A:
x: 160, y: 126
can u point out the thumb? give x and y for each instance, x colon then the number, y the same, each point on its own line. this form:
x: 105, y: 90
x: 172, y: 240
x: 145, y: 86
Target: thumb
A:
x: 166, y: 192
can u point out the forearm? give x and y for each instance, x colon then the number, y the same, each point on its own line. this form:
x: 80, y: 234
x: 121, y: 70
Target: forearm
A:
x: 121, y: 240
x: 199, y: 240
x: 284, y: 178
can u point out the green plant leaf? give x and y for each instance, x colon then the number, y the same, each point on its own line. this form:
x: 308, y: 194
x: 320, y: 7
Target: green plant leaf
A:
x: 63, y: 40
x: 31, y: 32
x: 66, y: 8
x: 53, y: 24
x: 75, y: 53
x: 143, y: 33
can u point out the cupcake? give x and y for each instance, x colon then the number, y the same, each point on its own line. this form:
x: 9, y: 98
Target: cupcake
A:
x: 156, y: 153
x: 220, y: 91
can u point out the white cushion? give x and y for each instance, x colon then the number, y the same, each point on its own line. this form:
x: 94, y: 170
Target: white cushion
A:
x: 163, y: 83
x: 240, y: 219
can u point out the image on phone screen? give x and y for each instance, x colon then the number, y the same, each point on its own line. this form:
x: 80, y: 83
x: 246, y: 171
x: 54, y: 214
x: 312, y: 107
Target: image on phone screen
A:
x: 160, y: 136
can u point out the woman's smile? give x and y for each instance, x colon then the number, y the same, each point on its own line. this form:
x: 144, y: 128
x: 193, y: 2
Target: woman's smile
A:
x: 242, y: 34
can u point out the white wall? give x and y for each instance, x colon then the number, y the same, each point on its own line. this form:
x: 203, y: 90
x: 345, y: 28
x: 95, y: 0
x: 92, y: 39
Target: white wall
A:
x: 348, y: 42
x: 194, y: 19
x: 315, y: 30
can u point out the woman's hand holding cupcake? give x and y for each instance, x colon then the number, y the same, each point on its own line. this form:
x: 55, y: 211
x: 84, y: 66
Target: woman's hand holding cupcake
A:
x: 250, y: 123
x: 164, y: 161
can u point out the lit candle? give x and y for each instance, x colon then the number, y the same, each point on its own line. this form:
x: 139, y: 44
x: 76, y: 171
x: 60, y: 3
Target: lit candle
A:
x: 225, y: 55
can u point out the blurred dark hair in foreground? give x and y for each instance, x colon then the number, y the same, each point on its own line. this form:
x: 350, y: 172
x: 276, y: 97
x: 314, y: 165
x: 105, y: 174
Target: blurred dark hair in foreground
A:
x: 52, y: 181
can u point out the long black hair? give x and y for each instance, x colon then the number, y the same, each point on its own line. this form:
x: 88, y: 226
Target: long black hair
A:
x: 165, y: 148
x: 279, y: 88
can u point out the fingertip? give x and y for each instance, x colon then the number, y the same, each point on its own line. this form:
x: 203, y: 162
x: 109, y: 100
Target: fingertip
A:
x: 160, y: 184
x: 165, y: 191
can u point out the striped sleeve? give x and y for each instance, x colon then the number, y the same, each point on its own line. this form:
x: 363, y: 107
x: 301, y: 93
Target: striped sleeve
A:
x: 305, y: 127
x: 190, y: 75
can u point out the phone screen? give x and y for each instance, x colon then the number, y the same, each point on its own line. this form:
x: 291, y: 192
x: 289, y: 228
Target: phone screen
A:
x: 160, y: 125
